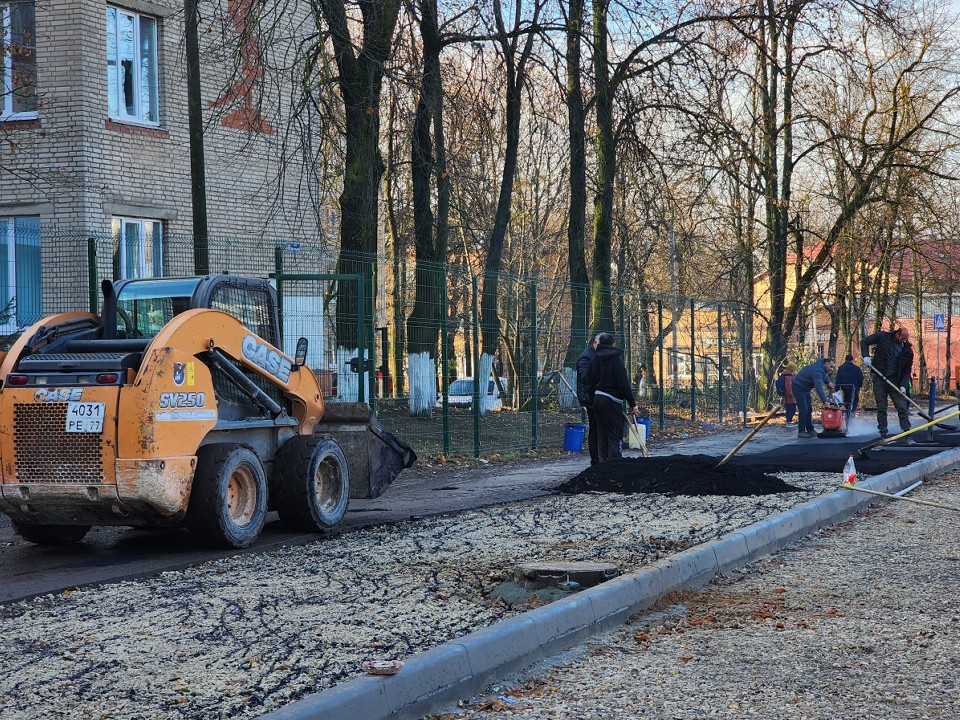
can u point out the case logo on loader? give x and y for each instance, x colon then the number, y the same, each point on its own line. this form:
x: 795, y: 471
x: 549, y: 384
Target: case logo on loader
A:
x: 263, y: 357
x: 58, y: 395
x: 182, y: 400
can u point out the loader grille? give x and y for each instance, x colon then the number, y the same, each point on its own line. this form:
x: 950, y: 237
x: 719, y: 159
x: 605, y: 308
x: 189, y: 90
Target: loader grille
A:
x: 47, y: 453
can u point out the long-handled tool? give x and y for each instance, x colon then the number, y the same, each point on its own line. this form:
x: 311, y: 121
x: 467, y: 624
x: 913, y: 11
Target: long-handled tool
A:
x: 774, y: 411
x: 920, y: 411
x: 848, y: 486
x: 632, y: 427
x: 862, y: 452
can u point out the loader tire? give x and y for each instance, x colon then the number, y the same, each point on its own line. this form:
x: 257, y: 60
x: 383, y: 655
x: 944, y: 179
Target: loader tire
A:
x: 311, y: 485
x: 228, y: 500
x: 51, y: 534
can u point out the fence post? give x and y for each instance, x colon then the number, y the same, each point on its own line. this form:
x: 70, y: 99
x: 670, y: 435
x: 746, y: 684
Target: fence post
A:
x: 444, y: 361
x: 535, y: 377
x: 370, y: 338
x: 476, y: 369
x: 278, y: 274
x: 693, y: 364
x: 92, y: 274
x: 743, y: 370
x: 586, y: 335
x: 663, y: 384
x: 361, y: 336
x: 625, y: 336
x: 719, y: 363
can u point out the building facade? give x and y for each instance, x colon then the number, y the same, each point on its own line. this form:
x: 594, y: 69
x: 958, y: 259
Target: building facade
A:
x: 95, y: 144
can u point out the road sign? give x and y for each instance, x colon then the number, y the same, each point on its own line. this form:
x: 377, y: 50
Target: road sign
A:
x: 294, y: 247
x: 938, y: 324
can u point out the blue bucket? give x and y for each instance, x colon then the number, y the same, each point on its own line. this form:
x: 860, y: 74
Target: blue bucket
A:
x: 573, y: 435
x: 646, y: 422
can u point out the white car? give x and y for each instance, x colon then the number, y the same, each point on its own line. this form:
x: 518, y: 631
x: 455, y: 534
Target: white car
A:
x: 460, y: 394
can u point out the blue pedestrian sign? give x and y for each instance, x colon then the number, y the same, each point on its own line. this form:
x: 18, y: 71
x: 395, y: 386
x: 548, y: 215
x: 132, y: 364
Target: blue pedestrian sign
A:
x: 938, y: 324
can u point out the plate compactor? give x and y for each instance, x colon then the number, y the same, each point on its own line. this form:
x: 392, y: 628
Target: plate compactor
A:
x: 177, y: 407
x: 836, y: 416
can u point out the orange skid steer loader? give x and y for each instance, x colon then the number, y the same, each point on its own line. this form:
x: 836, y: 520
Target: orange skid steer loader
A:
x: 177, y: 407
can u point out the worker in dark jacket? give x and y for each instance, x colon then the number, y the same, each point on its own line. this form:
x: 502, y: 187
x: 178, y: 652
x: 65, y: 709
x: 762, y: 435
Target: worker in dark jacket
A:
x: 814, y: 376
x: 892, y: 359
x: 608, y: 386
x: 849, y: 381
x: 583, y: 397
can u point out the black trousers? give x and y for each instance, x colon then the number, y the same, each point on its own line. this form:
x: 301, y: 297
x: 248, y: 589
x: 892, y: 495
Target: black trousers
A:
x: 592, y: 437
x: 880, y: 393
x: 609, y: 416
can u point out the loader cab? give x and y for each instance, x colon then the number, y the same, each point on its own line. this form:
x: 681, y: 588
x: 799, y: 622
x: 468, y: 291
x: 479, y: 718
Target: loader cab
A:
x: 134, y: 309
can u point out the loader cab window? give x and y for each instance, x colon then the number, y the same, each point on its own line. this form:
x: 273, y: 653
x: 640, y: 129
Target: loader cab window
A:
x: 144, y: 307
x: 251, y: 304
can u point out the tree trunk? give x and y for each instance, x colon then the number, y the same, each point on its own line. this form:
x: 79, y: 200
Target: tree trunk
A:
x: 428, y: 161
x: 576, y: 221
x: 601, y: 305
x: 515, y: 69
x: 361, y: 68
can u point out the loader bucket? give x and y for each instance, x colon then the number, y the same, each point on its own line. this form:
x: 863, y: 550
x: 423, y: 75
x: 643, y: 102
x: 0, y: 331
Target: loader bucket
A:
x: 374, y: 456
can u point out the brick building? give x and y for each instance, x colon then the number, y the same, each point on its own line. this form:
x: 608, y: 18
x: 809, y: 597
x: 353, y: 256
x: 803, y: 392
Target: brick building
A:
x: 95, y: 143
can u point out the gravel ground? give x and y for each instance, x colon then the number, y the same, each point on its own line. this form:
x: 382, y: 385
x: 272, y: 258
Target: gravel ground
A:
x: 238, y: 637
x: 859, y: 620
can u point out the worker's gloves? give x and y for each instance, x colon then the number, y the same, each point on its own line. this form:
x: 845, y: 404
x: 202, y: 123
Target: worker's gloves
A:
x: 867, y: 362
x: 903, y: 390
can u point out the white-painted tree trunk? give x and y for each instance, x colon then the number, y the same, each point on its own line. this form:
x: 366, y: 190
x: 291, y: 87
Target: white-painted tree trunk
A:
x: 484, y: 373
x: 422, y: 370
x: 568, y: 397
x: 348, y: 381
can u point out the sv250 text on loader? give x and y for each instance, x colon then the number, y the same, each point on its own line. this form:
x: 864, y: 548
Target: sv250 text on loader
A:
x: 177, y: 407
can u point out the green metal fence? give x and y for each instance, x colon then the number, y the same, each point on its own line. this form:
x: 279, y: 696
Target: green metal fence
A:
x: 404, y: 337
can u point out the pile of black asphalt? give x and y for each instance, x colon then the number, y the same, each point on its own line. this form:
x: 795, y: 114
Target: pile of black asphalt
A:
x: 695, y: 475
x: 751, y: 473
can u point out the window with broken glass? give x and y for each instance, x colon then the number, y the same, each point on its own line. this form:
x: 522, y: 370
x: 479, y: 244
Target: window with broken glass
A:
x: 132, y: 71
x: 18, y: 60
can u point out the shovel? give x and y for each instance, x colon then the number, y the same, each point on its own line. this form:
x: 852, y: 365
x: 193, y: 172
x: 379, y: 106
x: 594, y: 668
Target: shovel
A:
x: 776, y: 409
x: 920, y: 410
x: 632, y: 427
x: 862, y: 452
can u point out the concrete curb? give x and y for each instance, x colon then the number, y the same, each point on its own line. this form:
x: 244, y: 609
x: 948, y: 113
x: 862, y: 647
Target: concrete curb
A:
x: 464, y: 667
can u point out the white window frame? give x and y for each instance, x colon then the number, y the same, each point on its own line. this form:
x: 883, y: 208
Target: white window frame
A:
x: 6, y: 65
x: 116, y: 107
x: 8, y: 224
x: 149, y: 251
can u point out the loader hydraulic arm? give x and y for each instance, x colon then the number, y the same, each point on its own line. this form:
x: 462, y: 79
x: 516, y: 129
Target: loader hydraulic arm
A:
x: 221, y: 340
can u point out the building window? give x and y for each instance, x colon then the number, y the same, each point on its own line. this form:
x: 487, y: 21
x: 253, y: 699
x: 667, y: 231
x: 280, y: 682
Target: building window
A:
x: 19, y: 272
x: 132, y: 83
x: 18, y: 59
x: 137, y: 248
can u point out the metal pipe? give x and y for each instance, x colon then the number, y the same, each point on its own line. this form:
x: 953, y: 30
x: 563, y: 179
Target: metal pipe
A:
x: 903, y: 492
